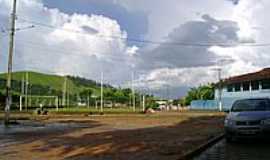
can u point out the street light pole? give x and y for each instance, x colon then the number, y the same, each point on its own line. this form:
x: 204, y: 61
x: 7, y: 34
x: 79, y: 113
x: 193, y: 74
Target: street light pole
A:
x: 219, y: 89
x: 101, y: 93
x: 64, y: 94
x: 26, y: 89
x: 220, y: 63
x: 10, y: 56
x: 143, y: 103
x: 133, y: 93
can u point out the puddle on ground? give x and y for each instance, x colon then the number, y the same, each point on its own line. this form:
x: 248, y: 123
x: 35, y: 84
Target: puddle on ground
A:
x: 9, y: 133
x: 30, y: 126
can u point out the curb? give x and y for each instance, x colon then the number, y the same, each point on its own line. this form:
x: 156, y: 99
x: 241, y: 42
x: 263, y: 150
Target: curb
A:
x: 202, y: 148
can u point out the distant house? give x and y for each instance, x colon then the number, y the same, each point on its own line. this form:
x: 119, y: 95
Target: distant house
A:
x: 162, y: 104
x: 166, y: 105
x: 251, y: 85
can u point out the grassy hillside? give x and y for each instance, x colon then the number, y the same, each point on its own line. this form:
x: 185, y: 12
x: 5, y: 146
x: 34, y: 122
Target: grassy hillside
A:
x: 42, y: 82
x: 78, y: 90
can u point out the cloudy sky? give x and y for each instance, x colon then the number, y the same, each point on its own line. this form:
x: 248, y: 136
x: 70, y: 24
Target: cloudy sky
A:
x: 170, y: 45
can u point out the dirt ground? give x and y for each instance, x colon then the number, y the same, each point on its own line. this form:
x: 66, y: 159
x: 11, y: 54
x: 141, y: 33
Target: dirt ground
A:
x: 159, y: 136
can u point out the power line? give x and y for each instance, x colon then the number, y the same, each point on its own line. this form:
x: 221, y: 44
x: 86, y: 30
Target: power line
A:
x: 209, y: 44
x: 65, y: 52
x: 71, y: 52
x: 4, y: 30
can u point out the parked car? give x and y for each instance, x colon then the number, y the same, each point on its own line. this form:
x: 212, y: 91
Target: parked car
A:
x: 248, y: 118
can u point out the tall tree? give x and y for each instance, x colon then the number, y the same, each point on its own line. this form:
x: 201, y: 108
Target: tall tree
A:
x: 204, y: 92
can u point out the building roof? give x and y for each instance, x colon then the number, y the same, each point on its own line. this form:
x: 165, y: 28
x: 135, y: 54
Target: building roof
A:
x: 260, y: 75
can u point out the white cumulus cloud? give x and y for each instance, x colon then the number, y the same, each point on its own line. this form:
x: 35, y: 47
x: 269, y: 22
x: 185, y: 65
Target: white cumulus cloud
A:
x: 76, y: 44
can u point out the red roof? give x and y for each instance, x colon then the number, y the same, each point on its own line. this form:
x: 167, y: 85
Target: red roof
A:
x: 260, y: 75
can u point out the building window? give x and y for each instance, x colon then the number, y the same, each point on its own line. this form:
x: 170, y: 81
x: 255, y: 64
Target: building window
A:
x: 266, y: 84
x: 230, y: 88
x: 246, y: 86
x: 255, y: 85
x: 237, y: 87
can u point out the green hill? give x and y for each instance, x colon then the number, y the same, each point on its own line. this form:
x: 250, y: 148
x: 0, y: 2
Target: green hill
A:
x: 77, y: 90
x: 47, y: 84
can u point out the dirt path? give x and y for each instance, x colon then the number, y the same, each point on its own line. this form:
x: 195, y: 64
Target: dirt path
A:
x: 158, y: 136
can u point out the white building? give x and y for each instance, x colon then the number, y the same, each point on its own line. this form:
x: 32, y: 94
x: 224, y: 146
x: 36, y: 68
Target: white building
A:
x: 251, y: 85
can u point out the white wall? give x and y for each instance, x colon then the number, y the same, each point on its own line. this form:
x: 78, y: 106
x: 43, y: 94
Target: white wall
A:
x: 243, y: 94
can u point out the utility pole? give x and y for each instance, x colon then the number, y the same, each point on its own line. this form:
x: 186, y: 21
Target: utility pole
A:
x: 140, y: 100
x: 219, y: 89
x: 133, y: 92
x: 29, y: 87
x: 10, y: 56
x: 94, y: 96
x: 88, y: 101
x: 64, y: 91
x: 101, y: 92
x: 219, y: 98
x: 143, y: 103
x: 67, y: 92
x: 22, y: 92
x: 26, y: 89
x: 22, y: 86
x: 30, y: 94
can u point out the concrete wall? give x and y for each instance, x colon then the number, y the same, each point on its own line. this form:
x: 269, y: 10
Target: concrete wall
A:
x: 212, y: 104
x: 228, y: 98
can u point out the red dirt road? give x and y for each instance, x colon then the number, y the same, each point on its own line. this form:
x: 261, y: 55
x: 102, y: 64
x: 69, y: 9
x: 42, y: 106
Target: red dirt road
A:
x: 124, y: 137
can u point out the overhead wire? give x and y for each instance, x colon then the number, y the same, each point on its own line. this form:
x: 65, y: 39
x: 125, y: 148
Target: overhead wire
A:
x: 153, y: 42
x: 65, y: 52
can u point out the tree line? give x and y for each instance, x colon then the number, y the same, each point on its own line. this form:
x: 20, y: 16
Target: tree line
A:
x: 203, y: 92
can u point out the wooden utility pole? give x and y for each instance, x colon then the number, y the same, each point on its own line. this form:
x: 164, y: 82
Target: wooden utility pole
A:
x: 10, y: 56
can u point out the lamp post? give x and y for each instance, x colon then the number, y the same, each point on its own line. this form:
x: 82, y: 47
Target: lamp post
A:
x: 219, y: 63
x: 220, y: 107
x: 133, y: 92
x: 101, y: 92
x: 219, y: 89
